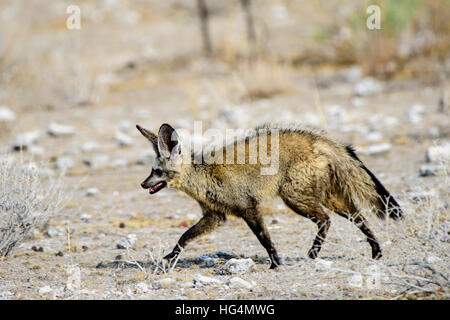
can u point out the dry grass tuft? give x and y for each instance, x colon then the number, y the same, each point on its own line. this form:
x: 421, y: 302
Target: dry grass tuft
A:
x: 27, y: 200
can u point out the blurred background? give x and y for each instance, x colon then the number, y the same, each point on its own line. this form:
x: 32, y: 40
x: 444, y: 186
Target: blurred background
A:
x: 179, y: 54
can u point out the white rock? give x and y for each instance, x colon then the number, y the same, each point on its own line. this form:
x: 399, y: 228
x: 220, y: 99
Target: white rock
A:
x: 237, y: 283
x: 434, y: 132
x: 353, y: 74
x: 390, y: 121
x: 239, y: 266
x: 357, y: 102
x: 336, y: 112
x: 6, y: 115
x: 55, y: 231
x: 430, y: 170
x: 210, y: 262
x: 367, y: 87
x: 415, y: 113
x: 126, y: 243
x: 5, y: 294
x: 24, y: 140
x: 377, y: 149
x: 84, y: 292
x: 142, y: 287
x: 58, y: 130
x: 419, y: 195
x: 92, y: 192
x: 122, y: 244
x: 374, y: 136
x: 205, y: 281
x: 323, y: 264
x: 45, y: 290
x: 310, y: 119
x: 432, y: 259
x: 354, y: 127
x: 119, y: 163
x: 89, y: 146
x: 132, y: 238
x: 438, y: 153
x: 36, y: 150
x: 163, y: 283
x: 122, y: 139
x: 356, y: 280
x: 126, y: 125
x: 85, y: 217
x: 192, y: 216
x: 64, y: 163
x: 97, y: 162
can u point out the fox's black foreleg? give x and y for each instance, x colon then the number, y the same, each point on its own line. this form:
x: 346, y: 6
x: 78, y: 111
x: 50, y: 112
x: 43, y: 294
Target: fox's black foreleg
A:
x: 206, y: 224
x: 256, y: 224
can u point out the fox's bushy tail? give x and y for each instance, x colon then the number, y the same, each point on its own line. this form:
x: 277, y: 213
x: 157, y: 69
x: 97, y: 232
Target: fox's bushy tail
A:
x: 384, y: 202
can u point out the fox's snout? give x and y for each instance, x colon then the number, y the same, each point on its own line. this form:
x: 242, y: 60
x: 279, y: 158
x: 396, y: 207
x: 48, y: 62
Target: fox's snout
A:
x: 144, y: 185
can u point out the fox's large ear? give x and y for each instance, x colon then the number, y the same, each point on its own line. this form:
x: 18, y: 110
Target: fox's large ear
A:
x: 153, y: 138
x: 168, y: 141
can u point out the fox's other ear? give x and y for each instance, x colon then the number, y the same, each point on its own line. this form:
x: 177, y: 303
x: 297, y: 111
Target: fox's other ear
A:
x: 168, y: 141
x: 153, y: 138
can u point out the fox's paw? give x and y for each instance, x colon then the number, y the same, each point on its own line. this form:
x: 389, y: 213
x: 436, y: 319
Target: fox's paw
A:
x: 376, y: 255
x: 313, y: 253
x: 171, y: 256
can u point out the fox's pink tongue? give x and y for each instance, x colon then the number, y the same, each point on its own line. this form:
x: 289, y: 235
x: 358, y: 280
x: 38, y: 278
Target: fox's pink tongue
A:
x: 155, y: 187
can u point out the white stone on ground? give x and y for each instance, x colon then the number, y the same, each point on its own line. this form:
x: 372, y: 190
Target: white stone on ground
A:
x: 430, y: 170
x: 6, y: 114
x: 89, y: 146
x: 205, y: 281
x: 237, y: 283
x: 57, y: 130
x: 97, y: 162
x: 438, y: 153
x: 376, y: 149
x: 239, y: 266
x: 45, y: 290
x: 126, y: 243
x: 163, y: 283
x: 92, y: 192
x: 367, y: 86
x: 26, y: 139
x: 64, y: 163
x: 122, y: 139
x: 322, y: 264
x: 141, y: 287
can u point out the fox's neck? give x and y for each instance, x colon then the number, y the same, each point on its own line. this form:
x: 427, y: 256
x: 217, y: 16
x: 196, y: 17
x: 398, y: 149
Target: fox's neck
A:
x: 193, y: 180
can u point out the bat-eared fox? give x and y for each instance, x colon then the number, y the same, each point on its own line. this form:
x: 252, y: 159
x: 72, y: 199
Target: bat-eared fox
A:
x: 315, y: 174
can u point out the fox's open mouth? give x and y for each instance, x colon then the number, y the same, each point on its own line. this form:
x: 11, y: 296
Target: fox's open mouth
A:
x: 157, y: 187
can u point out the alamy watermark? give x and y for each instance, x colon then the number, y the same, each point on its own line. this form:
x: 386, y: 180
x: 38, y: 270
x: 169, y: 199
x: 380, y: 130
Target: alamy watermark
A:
x: 237, y: 146
x: 373, y: 22
x: 73, y: 22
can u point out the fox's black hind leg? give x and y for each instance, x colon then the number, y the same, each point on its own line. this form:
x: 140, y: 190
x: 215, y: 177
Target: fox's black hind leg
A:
x: 255, y: 222
x: 318, y: 216
x: 361, y: 223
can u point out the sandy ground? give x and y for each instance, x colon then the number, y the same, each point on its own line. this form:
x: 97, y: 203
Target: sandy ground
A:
x: 130, y: 88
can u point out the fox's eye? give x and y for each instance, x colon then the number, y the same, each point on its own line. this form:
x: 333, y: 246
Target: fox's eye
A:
x: 158, y: 172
